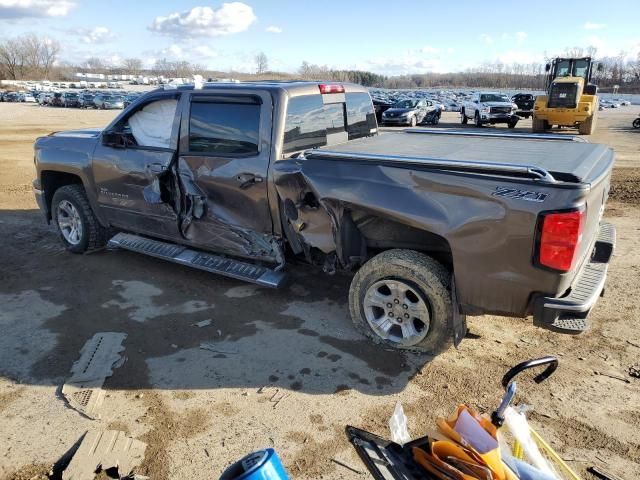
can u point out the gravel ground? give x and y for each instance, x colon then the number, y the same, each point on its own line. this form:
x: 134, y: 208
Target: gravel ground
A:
x: 288, y: 370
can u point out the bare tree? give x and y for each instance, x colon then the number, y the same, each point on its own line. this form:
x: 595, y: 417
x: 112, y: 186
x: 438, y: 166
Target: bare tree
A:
x: 132, y: 65
x: 11, y: 58
x: 27, y: 56
x: 48, y: 55
x: 94, y: 64
x: 262, y: 62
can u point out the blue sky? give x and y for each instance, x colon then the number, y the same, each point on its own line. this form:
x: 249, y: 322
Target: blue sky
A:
x: 382, y: 36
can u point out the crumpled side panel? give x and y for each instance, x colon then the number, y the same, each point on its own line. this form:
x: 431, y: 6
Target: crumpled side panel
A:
x: 204, y: 222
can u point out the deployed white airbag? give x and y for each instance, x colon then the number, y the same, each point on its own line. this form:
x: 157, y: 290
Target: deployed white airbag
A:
x: 151, y: 126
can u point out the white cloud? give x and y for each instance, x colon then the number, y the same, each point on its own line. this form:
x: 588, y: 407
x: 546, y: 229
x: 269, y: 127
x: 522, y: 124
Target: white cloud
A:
x: 521, y: 37
x: 429, y: 49
x: 205, y: 52
x: 230, y: 18
x: 94, y: 35
x: 594, y: 26
x: 486, y: 39
x: 273, y: 29
x: 34, y: 8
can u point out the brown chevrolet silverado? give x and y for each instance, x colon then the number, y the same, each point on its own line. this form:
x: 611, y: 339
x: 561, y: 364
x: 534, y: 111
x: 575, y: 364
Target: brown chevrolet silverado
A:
x: 243, y: 180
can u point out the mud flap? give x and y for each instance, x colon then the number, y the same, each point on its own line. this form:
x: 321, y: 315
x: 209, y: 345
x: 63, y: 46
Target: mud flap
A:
x: 458, y: 320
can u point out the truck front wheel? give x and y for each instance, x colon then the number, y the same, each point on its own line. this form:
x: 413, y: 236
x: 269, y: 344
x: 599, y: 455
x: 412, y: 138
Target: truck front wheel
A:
x: 402, y: 299
x: 77, y: 225
x: 477, y: 120
x: 588, y: 126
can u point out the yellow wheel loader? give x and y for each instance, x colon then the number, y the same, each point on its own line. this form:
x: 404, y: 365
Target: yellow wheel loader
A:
x: 571, y: 99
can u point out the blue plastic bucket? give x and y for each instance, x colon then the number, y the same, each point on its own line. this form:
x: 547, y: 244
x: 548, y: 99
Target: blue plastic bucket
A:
x: 260, y: 465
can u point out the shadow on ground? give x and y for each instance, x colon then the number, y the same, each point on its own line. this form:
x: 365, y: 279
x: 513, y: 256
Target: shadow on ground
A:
x: 299, y: 338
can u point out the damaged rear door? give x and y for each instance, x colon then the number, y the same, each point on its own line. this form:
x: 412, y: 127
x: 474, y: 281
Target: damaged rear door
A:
x: 224, y: 154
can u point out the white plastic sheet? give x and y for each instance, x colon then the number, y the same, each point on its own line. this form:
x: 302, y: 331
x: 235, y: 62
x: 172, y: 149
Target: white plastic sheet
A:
x: 398, y: 426
x: 151, y: 126
x: 517, y: 424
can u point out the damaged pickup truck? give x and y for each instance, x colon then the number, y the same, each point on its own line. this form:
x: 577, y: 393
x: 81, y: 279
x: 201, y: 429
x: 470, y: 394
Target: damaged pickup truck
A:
x: 245, y: 179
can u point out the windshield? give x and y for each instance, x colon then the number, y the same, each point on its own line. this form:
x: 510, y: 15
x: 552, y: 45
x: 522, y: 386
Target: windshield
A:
x: 116, y: 98
x: 494, y: 97
x: 406, y: 104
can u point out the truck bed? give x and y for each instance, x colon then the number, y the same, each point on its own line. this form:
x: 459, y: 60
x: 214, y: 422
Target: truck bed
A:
x: 566, y: 160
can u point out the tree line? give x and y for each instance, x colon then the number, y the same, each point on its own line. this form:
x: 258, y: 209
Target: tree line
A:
x: 29, y: 57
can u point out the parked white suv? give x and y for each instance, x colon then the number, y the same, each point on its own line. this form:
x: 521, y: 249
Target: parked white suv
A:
x: 489, y: 107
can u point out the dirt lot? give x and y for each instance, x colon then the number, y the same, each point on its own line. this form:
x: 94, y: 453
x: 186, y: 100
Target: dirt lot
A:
x: 200, y: 410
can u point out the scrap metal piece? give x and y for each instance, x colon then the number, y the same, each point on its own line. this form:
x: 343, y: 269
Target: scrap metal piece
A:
x: 105, y: 450
x: 83, y: 391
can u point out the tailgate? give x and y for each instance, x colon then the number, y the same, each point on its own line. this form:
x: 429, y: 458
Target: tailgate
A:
x: 595, y: 201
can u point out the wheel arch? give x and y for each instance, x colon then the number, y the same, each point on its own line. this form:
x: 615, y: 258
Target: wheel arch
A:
x: 380, y: 233
x: 52, y: 180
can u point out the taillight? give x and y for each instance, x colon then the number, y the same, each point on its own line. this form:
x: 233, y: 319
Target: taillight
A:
x: 560, y: 236
x: 331, y: 88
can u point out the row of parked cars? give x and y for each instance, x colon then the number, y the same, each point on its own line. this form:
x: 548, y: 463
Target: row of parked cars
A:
x: 414, y: 107
x: 70, y: 99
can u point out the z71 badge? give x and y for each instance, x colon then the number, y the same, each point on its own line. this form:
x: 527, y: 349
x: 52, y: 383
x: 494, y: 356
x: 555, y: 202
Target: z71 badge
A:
x: 528, y: 195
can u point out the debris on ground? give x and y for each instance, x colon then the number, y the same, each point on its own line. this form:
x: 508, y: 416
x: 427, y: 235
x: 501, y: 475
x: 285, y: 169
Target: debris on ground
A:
x: 634, y: 370
x: 203, y: 323
x: 109, y: 451
x: 214, y: 348
x: 98, y: 357
x: 601, y: 474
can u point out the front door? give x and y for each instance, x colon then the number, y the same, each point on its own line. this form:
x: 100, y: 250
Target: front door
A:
x: 132, y: 164
x: 225, y: 148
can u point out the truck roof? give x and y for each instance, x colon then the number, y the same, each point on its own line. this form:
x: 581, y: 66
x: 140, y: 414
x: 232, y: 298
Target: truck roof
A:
x: 568, y: 161
x: 293, y: 87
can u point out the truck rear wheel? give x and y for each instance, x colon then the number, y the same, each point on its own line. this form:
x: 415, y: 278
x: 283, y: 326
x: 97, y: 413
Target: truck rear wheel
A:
x: 79, y: 228
x: 588, y: 126
x: 402, y: 299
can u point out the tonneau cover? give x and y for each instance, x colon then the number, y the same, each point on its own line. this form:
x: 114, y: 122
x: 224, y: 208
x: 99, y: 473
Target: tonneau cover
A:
x: 567, y: 161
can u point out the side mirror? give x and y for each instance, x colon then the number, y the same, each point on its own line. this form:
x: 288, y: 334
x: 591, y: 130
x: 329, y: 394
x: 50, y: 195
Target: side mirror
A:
x: 600, y: 67
x: 113, y: 139
x: 547, y: 67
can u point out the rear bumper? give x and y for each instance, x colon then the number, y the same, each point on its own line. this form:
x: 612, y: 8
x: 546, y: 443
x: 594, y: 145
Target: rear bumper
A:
x: 562, y: 116
x: 568, y: 314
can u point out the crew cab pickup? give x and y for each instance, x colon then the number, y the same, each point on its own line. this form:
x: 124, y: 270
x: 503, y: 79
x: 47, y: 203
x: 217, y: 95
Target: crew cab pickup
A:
x: 489, y: 107
x: 524, y: 102
x: 244, y: 180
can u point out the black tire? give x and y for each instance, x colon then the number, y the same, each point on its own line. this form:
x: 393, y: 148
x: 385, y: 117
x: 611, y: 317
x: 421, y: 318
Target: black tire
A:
x: 588, y: 126
x: 636, y: 123
x: 476, y: 120
x: 436, y: 120
x: 512, y: 124
x: 539, y: 126
x: 426, y: 276
x: 94, y: 236
x: 463, y: 117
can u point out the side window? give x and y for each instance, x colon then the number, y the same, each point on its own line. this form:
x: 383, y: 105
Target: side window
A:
x: 309, y: 121
x: 224, y: 128
x: 150, y: 126
x: 361, y: 117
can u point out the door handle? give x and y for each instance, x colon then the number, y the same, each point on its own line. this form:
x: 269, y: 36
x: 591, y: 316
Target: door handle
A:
x: 248, y: 179
x: 156, y: 167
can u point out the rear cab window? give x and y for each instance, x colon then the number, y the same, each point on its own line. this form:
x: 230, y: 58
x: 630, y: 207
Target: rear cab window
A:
x: 225, y: 127
x: 318, y: 120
